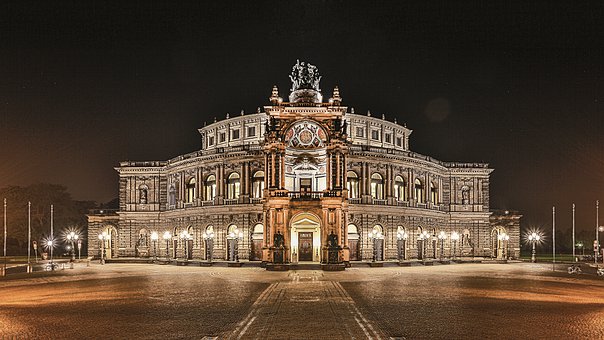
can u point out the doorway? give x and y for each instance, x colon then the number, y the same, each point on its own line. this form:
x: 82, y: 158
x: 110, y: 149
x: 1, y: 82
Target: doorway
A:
x: 305, y: 237
x: 305, y: 246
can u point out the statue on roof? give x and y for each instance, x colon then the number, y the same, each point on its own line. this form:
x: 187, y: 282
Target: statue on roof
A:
x: 305, y: 76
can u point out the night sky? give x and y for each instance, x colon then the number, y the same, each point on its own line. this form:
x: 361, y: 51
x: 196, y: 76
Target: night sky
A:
x: 519, y: 85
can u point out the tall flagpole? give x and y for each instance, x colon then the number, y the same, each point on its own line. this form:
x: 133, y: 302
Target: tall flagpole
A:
x: 553, y: 238
x: 597, y: 245
x: 28, y: 233
x: 52, y: 239
x: 574, y: 257
x: 4, y: 272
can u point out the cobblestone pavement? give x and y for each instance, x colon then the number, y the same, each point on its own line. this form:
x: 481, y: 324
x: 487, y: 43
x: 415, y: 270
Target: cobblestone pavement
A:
x: 470, y: 301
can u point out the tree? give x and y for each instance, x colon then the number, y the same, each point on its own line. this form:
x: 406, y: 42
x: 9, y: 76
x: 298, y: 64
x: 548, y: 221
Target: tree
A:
x: 68, y: 213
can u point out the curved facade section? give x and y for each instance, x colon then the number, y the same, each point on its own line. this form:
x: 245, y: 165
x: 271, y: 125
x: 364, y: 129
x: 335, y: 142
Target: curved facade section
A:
x: 305, y: 182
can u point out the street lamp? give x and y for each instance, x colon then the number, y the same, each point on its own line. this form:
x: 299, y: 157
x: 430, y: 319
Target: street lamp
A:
x: 504, y: 238
x: 375, y: 236
x: 79, y: 249
x: 209, y: 239
x: 423, y: 237
x: 454, y: 238
x: 50, y: 244
x: 154, y: 238
x: 236, y: 236
x: 534, y: 238
x: 167, y: 236
x: 103, y: 237
x: 185, y: 236
x: 72, y: 237
x: 580, y: 246
x: 401, y: 237
x: 441, y: 237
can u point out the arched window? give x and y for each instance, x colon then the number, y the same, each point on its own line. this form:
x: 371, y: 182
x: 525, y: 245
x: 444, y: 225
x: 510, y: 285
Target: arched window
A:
x: 142, y: 194
x: 378, y: 231
x: 433, y: 193
x: 210, y: 187
x: 419, y: 191
x: 172, y: 195
x: 400, y: 189
x: 377, y: 186
x: 258, y: 184
x: 257, y: 236
x: 233, y: 186
x: 352, y: 184
x: 191, y: 190
x: 233, y: 232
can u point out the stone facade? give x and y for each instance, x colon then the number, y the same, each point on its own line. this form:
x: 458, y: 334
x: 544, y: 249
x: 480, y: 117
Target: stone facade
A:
x: 277, y: 184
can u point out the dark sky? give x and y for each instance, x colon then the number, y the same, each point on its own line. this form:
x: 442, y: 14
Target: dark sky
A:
x: 519, y: 85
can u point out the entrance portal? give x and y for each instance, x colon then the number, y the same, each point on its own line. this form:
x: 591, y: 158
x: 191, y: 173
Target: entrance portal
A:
x: 305, y: 238
x: 305, y: 244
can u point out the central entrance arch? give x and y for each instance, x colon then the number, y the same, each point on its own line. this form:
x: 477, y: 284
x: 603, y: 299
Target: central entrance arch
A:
x: 305, y: 238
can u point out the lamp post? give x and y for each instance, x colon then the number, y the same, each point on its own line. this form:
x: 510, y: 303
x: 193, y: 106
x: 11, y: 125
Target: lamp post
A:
x: 401, y: 237
x: 239, y: 239
x: 236, y: 236
x: 79, y: 249
x: 185, y: 236
x: 534, y: 238
x: 504, y: 239
x: 167, y: 236
x: 35, y: 245
x: 423, y: 237
x: 154, y: 238
x: 103, y: 237
x: 375, y: 236
x: 441, y: 237
x: 50, y: 245
x: 209, y: 239
x: 580, y: 246
x: 454, y: 238
x: 72, y: 237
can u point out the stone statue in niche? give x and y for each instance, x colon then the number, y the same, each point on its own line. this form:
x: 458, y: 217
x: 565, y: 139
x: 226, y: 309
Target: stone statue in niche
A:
x: 143, y: 196
x: 332, y: 240
x: 279, y: 241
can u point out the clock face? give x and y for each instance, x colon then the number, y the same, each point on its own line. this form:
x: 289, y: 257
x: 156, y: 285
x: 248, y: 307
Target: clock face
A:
x: 306, y: 135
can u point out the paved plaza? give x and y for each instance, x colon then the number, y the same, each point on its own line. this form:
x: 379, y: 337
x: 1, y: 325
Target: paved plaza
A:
x: 140, y: 301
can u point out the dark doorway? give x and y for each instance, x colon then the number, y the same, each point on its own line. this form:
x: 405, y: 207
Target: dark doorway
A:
x: 353, y: 245
x: 189, y: 249
x: 256, y: 253
x: 305, y: 246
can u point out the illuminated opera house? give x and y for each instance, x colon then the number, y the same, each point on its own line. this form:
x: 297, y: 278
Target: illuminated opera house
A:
x: 303, y: 180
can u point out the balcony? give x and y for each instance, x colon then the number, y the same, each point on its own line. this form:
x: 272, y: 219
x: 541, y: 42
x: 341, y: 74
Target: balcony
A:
x: 255, y: 200
x: 305, y: 195
x: 207, y: 203
x: 379, y: 201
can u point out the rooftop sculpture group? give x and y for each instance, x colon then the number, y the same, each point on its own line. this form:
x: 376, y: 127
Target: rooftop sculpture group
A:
x: 305, y: 76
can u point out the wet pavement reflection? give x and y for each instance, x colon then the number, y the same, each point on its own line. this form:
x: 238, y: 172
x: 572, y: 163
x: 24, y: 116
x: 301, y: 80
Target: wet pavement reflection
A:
x: 470, y: 301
